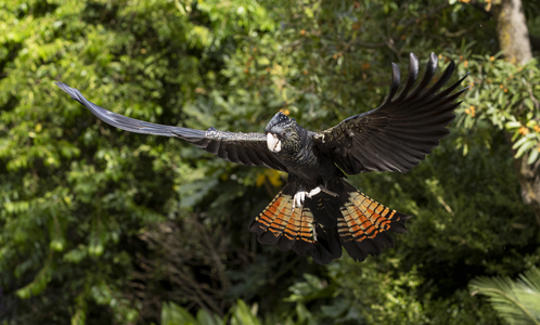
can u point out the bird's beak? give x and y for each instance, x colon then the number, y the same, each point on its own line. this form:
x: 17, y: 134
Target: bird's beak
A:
x: 273, y: 142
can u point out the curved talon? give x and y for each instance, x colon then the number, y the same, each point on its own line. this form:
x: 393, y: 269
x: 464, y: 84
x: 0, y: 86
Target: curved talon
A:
x: 300, y: 196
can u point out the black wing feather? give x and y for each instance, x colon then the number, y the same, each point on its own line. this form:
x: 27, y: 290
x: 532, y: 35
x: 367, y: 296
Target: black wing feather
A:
x: 244, y: 148
x: 397, y: 135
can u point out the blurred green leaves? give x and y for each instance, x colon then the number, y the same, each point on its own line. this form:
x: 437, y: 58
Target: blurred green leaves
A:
x: 239, y: 314
x: 506, y: 96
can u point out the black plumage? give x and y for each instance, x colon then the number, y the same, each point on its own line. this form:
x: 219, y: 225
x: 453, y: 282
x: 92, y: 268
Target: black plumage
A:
x: 318, y: 212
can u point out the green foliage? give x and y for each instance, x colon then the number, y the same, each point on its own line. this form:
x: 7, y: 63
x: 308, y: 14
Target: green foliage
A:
x: 240, y: 314
x: 507, y: 97
x: 375, y: 294
x: 99, y: 226
x: 516, y: 301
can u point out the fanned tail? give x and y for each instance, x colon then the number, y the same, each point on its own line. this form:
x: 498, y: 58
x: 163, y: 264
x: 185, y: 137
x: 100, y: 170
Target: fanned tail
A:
x: 297, y: 229
x: 364, y: 224
x: 326, y: 222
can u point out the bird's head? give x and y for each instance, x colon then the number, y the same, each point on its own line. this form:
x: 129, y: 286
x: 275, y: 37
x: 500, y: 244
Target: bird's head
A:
x: 282, y: 133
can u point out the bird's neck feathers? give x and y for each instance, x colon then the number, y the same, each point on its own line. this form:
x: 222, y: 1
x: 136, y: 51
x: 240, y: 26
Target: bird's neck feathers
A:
x: 295, y: 140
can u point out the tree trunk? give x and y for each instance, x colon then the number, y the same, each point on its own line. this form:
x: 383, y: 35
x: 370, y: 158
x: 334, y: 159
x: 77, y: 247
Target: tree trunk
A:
x: 512, y: 32
x: 515, y: 44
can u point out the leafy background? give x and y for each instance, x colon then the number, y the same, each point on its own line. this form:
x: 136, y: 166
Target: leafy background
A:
x: 99, y: 226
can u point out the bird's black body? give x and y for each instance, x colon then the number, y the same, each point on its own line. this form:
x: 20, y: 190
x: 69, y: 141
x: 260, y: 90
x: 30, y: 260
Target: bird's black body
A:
x: 300, y: 156
x: 318, y: 212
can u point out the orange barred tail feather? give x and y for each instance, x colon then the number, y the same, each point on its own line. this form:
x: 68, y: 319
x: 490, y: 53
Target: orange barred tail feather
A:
x: 297, y: 229
x: 326, y: 222
x: 364, y: 225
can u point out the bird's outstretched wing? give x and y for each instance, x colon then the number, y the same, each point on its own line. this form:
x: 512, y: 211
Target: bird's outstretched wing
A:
x: 243, y: 148
x: 399, y: 133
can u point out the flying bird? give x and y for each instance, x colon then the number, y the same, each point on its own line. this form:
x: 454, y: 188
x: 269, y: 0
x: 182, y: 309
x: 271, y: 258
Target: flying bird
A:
x: 318, y: 211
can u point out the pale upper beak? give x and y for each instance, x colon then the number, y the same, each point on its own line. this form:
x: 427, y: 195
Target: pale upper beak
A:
x: 273, y: 142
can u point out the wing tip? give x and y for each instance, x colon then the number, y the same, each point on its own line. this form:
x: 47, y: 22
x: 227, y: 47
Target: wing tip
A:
x: 396, y: 80
x: 433, y: 60
x: 73, y: 92
x: 413, y: 62
x: 62, y: 86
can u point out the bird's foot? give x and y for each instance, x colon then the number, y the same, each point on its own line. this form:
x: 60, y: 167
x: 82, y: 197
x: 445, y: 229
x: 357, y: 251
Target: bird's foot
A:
x: 314, y: 191
x: 300, y: 197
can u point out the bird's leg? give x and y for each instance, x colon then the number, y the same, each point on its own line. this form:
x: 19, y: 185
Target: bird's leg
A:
x: 300, y: 196
x: 314, y: 191
x: 327, y: 191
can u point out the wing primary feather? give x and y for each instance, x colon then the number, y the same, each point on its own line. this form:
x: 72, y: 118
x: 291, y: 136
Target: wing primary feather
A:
x: 395, y: 83
x: 437, y: 107
x: 243, y: 158
x: 360, y: 158
x: 393, y: 160
x: 411, y: 141
x: 422, y: 144
x: 224, y: 152
x: 452, y: 87
x: 233, y: 154
x: 437, y: 103
x: 411, y: 79
x: 428, y: 129
x: 444, y: 77
x: 268, y: 158
x: 247, y: 148
x: 441, y: 120
x: 432, y: 92
x: 213, y: 146
x: 187, y: 134
x: 252, y: 156
x: 410, y: 154
x: 433, y: 117
x: 431, y: 67
x: 404, y: 129
x: 369, y: 152
x: 117, y: 120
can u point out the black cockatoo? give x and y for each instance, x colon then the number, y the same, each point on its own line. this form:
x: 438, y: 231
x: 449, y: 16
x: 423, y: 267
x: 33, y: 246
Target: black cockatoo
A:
x: 318, y: 211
